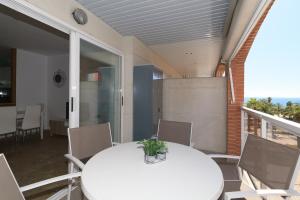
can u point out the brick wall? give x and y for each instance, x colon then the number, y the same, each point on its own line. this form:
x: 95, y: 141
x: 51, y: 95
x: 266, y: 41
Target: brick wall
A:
x: 220, y: 70
x: 233, y: 109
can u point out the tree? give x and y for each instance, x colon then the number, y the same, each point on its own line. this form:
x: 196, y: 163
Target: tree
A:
x: 290, y: 111
x: 296, y: 117
x: 269, y: 100
x: 263, y: 105
x: 277, y: 109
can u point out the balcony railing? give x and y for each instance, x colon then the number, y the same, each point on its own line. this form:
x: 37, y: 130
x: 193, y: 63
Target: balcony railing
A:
x: 273, y: 128
x: 270, y: 127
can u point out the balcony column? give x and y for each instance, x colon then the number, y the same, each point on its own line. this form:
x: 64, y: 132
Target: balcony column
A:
x: 244, y: 124
x: 234, y: 107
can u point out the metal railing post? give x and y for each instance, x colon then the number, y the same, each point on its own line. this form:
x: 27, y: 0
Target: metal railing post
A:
x: 298, y: 142
x: 263, y: 128
x: 243, y: 113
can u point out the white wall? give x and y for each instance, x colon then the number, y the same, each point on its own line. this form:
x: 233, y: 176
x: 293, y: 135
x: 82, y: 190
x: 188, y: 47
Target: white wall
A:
x: 201, y: 101
x: 30, y: 79
x: 57, y: 97
x: 143, y: 55
x: 62, y: 10
x: 127, y: 124
x: 34, y: 83
x: 136, y: 53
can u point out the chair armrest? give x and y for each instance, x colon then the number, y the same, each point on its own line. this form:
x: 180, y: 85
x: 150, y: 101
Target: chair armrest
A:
x: 223, y: 156
x: 260, y: 193
x: 49, y: 181
x: 74, y: 160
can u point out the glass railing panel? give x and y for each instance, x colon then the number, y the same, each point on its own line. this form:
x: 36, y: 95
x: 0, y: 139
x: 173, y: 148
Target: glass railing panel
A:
x: 253, y: 125
x: 281, y: 136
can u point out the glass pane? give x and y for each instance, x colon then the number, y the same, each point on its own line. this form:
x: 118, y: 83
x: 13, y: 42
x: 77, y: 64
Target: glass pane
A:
x: 100, y: 87
x: 5, y: 76
x: 282, y: 136
x: 253, y: 125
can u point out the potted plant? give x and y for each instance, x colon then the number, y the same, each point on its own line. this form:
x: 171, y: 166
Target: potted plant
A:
x: 162, y: 150
x: 154, y: 150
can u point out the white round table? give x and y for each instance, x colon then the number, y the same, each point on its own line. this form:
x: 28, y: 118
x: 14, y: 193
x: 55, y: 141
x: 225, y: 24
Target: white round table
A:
x: 119, y: 173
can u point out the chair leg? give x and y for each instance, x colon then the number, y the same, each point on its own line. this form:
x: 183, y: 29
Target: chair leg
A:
x: 16, y: 137
x: 70, y: 182
x: 23, y: 134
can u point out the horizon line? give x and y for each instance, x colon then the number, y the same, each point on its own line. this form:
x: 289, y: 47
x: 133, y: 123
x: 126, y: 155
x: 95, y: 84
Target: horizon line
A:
x: 271, y: 97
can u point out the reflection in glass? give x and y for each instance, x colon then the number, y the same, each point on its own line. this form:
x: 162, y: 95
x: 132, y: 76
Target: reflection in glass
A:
x: 99, y: 87
x: 6, y: 72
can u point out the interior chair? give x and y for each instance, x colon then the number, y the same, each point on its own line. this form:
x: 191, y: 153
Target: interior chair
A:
x: 177, y: 132
x: 32, y: 120
x: 275, y: 165
x: 8, y: 117
x: 9, y: 188
x: 85, y: 142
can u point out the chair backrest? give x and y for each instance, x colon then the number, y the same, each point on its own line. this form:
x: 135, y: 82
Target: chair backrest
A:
x: 32, y: 117
x: 9, y: 188
x: 8, y: 116
x: 177, y: 132
x: 86, y: 141
x: 271, y: 163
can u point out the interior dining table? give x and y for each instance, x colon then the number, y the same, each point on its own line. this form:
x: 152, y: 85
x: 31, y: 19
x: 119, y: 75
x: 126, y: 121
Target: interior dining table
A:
x: 120, y: 172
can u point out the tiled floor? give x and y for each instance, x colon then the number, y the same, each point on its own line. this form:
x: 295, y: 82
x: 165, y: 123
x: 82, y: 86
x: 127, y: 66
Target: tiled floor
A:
x: 36, y: 160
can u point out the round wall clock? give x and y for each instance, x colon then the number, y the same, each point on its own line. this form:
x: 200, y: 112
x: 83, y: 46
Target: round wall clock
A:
x: 80, y: 16
x: 59, y: 78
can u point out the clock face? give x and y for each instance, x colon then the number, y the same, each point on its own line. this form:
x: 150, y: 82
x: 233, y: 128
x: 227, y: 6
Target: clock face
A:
x: 59, y: 78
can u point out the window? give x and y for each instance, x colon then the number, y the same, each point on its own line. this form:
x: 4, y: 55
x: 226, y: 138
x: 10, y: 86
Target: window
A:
x: 7, y: 77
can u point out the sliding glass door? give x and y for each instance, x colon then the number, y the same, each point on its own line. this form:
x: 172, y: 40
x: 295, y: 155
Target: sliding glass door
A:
x: 96, y: 96
x: 99, y: 87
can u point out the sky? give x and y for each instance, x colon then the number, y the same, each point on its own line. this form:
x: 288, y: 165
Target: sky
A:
x: 273, y: 65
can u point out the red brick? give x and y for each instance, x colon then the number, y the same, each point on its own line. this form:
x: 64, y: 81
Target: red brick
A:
x: 233, y: 110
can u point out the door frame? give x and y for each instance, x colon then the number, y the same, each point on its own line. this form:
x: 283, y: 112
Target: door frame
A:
x: 75, y: 35
x: 74, y: 86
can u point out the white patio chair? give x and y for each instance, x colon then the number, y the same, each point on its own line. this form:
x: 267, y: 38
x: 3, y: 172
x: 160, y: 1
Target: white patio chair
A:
x: 85, y: 142
x: 9, y: 188
x: 32, y: 120
x: 275, y: 165
x: 172, y: 131
x: 8, y: 123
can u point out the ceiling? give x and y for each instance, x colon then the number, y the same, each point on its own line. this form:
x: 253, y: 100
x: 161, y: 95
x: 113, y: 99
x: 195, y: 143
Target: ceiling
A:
x: 192, y: 58
x: 167, y: 21
x: 19, y: 31
x: 98, y: 55
x: 188, y: 34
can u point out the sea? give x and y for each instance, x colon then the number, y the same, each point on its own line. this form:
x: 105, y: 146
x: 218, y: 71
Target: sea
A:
x: 280, y: 100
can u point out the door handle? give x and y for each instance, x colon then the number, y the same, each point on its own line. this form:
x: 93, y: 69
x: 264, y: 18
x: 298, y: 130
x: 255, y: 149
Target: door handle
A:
x: 72, y: 104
